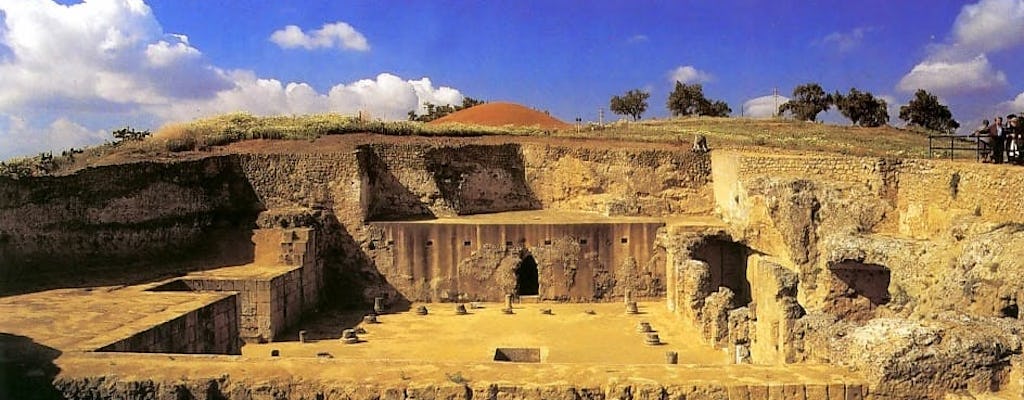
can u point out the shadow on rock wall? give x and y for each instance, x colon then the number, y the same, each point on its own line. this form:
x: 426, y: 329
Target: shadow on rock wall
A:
x: 125, y: 224
x: 482, y: 179
x: 351, y: 279
x: 27, y: 370
x: 384, y: 197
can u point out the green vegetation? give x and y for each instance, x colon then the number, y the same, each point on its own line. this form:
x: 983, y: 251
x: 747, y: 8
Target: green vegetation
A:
x: 862, y: 108
x: 128, y: 134
x: 747, y: 134
x: 808, y: 101
x: 437, y: 111
x: 925, y: 111
x: 633, y: 103
x: 689, y: 100
x: 229, y: 128
x: 772, y: 135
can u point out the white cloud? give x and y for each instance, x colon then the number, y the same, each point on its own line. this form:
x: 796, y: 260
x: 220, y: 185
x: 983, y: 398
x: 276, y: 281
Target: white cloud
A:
x: 844, y: 41
x: 764, y: 106
x: 952, y: 77
x: 20, y: 138
x: 638, y: 38
x: 99, y: 52
x: 961, y: 65
x: 990, y: 25
x: 1015, y: 106
x: 387, y: 96
x: 688, y: 74
x: 68, y: 70
x: 338, y: 34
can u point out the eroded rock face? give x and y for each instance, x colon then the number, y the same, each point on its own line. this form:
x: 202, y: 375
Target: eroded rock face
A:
x: 925, y: 359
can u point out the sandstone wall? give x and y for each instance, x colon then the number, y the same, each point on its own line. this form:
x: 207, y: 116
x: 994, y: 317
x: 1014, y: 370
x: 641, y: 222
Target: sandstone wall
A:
x: 106, y: 217
x: 408, y: 181
x: 575, y: 261
x: 934, y: 194
x: 619, y: 181
x: 211, y: 329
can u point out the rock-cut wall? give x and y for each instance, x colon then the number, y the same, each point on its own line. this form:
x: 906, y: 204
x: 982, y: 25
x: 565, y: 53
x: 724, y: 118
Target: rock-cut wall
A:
x: 98, y: 220
x: 145, y: 220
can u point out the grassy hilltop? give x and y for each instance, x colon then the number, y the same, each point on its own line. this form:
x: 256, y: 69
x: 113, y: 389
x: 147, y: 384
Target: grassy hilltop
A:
x: 747, y: 134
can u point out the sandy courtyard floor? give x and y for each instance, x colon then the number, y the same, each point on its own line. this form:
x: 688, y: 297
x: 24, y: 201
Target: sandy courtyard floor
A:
x: 568, y: 335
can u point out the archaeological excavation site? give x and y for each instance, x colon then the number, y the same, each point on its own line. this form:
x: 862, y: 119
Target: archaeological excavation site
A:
x: 366, y: 266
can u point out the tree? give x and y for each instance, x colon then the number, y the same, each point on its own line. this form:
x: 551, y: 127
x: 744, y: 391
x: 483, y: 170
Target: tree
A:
x: 808, y: 101
x: 686, y: 99
x: 717, y: 108
x: 689, y: 100
x: 128, y: 134
x: 862, y: 108
x: 435, y: 111
x: 633, y: 103
x: 924, y: 110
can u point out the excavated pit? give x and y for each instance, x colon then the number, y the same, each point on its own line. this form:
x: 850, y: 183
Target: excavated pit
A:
x: 765, y: 276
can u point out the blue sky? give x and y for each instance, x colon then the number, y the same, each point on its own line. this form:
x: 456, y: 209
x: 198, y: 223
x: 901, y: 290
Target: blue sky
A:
x: 71, y: 71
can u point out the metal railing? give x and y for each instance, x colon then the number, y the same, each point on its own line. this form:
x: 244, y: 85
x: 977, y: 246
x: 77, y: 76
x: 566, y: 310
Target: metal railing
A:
x: 938, y: 143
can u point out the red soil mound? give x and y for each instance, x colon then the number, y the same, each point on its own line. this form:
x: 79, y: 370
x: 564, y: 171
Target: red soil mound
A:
x: 501, y: 114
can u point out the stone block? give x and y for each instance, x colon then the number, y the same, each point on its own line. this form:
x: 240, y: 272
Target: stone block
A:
x: 758, y: 392
x: 816, y: 391
x: 855, y: 392
x: 792, y: 392
x: 837, y: 391
x: 738, y: 392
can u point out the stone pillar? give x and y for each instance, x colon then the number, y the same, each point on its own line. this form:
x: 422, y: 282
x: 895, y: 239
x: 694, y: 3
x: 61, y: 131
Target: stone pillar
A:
x: 378, y: 305
x: 302, y: 336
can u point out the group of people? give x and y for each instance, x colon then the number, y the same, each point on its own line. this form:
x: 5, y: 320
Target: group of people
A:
x: 1002, y: 142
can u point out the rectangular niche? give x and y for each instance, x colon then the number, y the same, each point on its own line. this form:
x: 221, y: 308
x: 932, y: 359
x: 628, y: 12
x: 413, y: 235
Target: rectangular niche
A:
x: 517, y: 354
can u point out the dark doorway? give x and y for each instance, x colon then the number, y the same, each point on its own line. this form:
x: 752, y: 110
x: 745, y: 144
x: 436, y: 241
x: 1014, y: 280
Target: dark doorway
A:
x: 526, y: 277
x: 856, y: 289
x: 728, y: 263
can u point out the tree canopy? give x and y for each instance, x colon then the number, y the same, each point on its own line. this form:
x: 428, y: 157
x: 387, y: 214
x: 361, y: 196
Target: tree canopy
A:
x: 435, y: 111
x: 689, y: 100
x: 633, y: 103
x: 924, y: 110
x: 128, y: 134
x: 808, y: 101
x: 862, y: 108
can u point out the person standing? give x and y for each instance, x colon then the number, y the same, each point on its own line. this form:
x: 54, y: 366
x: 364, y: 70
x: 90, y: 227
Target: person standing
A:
x: 1013, y: 137
x: 998, y: 138
x: 984, y: 142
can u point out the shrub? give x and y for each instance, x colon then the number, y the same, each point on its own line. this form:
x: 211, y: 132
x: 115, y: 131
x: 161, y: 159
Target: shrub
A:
x: 175, y: 145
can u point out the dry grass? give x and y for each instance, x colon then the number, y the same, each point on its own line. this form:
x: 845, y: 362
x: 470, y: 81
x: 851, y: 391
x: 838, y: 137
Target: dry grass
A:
x: 743, y: 133
x: 772, y: 135
x: 762, y: 135
x: 229, y: 128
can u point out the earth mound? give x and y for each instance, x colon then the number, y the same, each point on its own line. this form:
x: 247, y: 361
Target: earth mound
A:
x: 501, y: 114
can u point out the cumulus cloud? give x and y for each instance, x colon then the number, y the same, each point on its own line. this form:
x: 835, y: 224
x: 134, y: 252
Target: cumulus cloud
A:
x: 103, y: 51
x: 387, y: 97
x: 961, y: 65
x: 1012, y: 106
x: 844, y: 41
x: 338, y: 34
x: 990, y: 25
x: 17, y: 136
x: 105, y: 63
x: 688, y: 74
x: 764, y: 106
x: 953, y: 76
